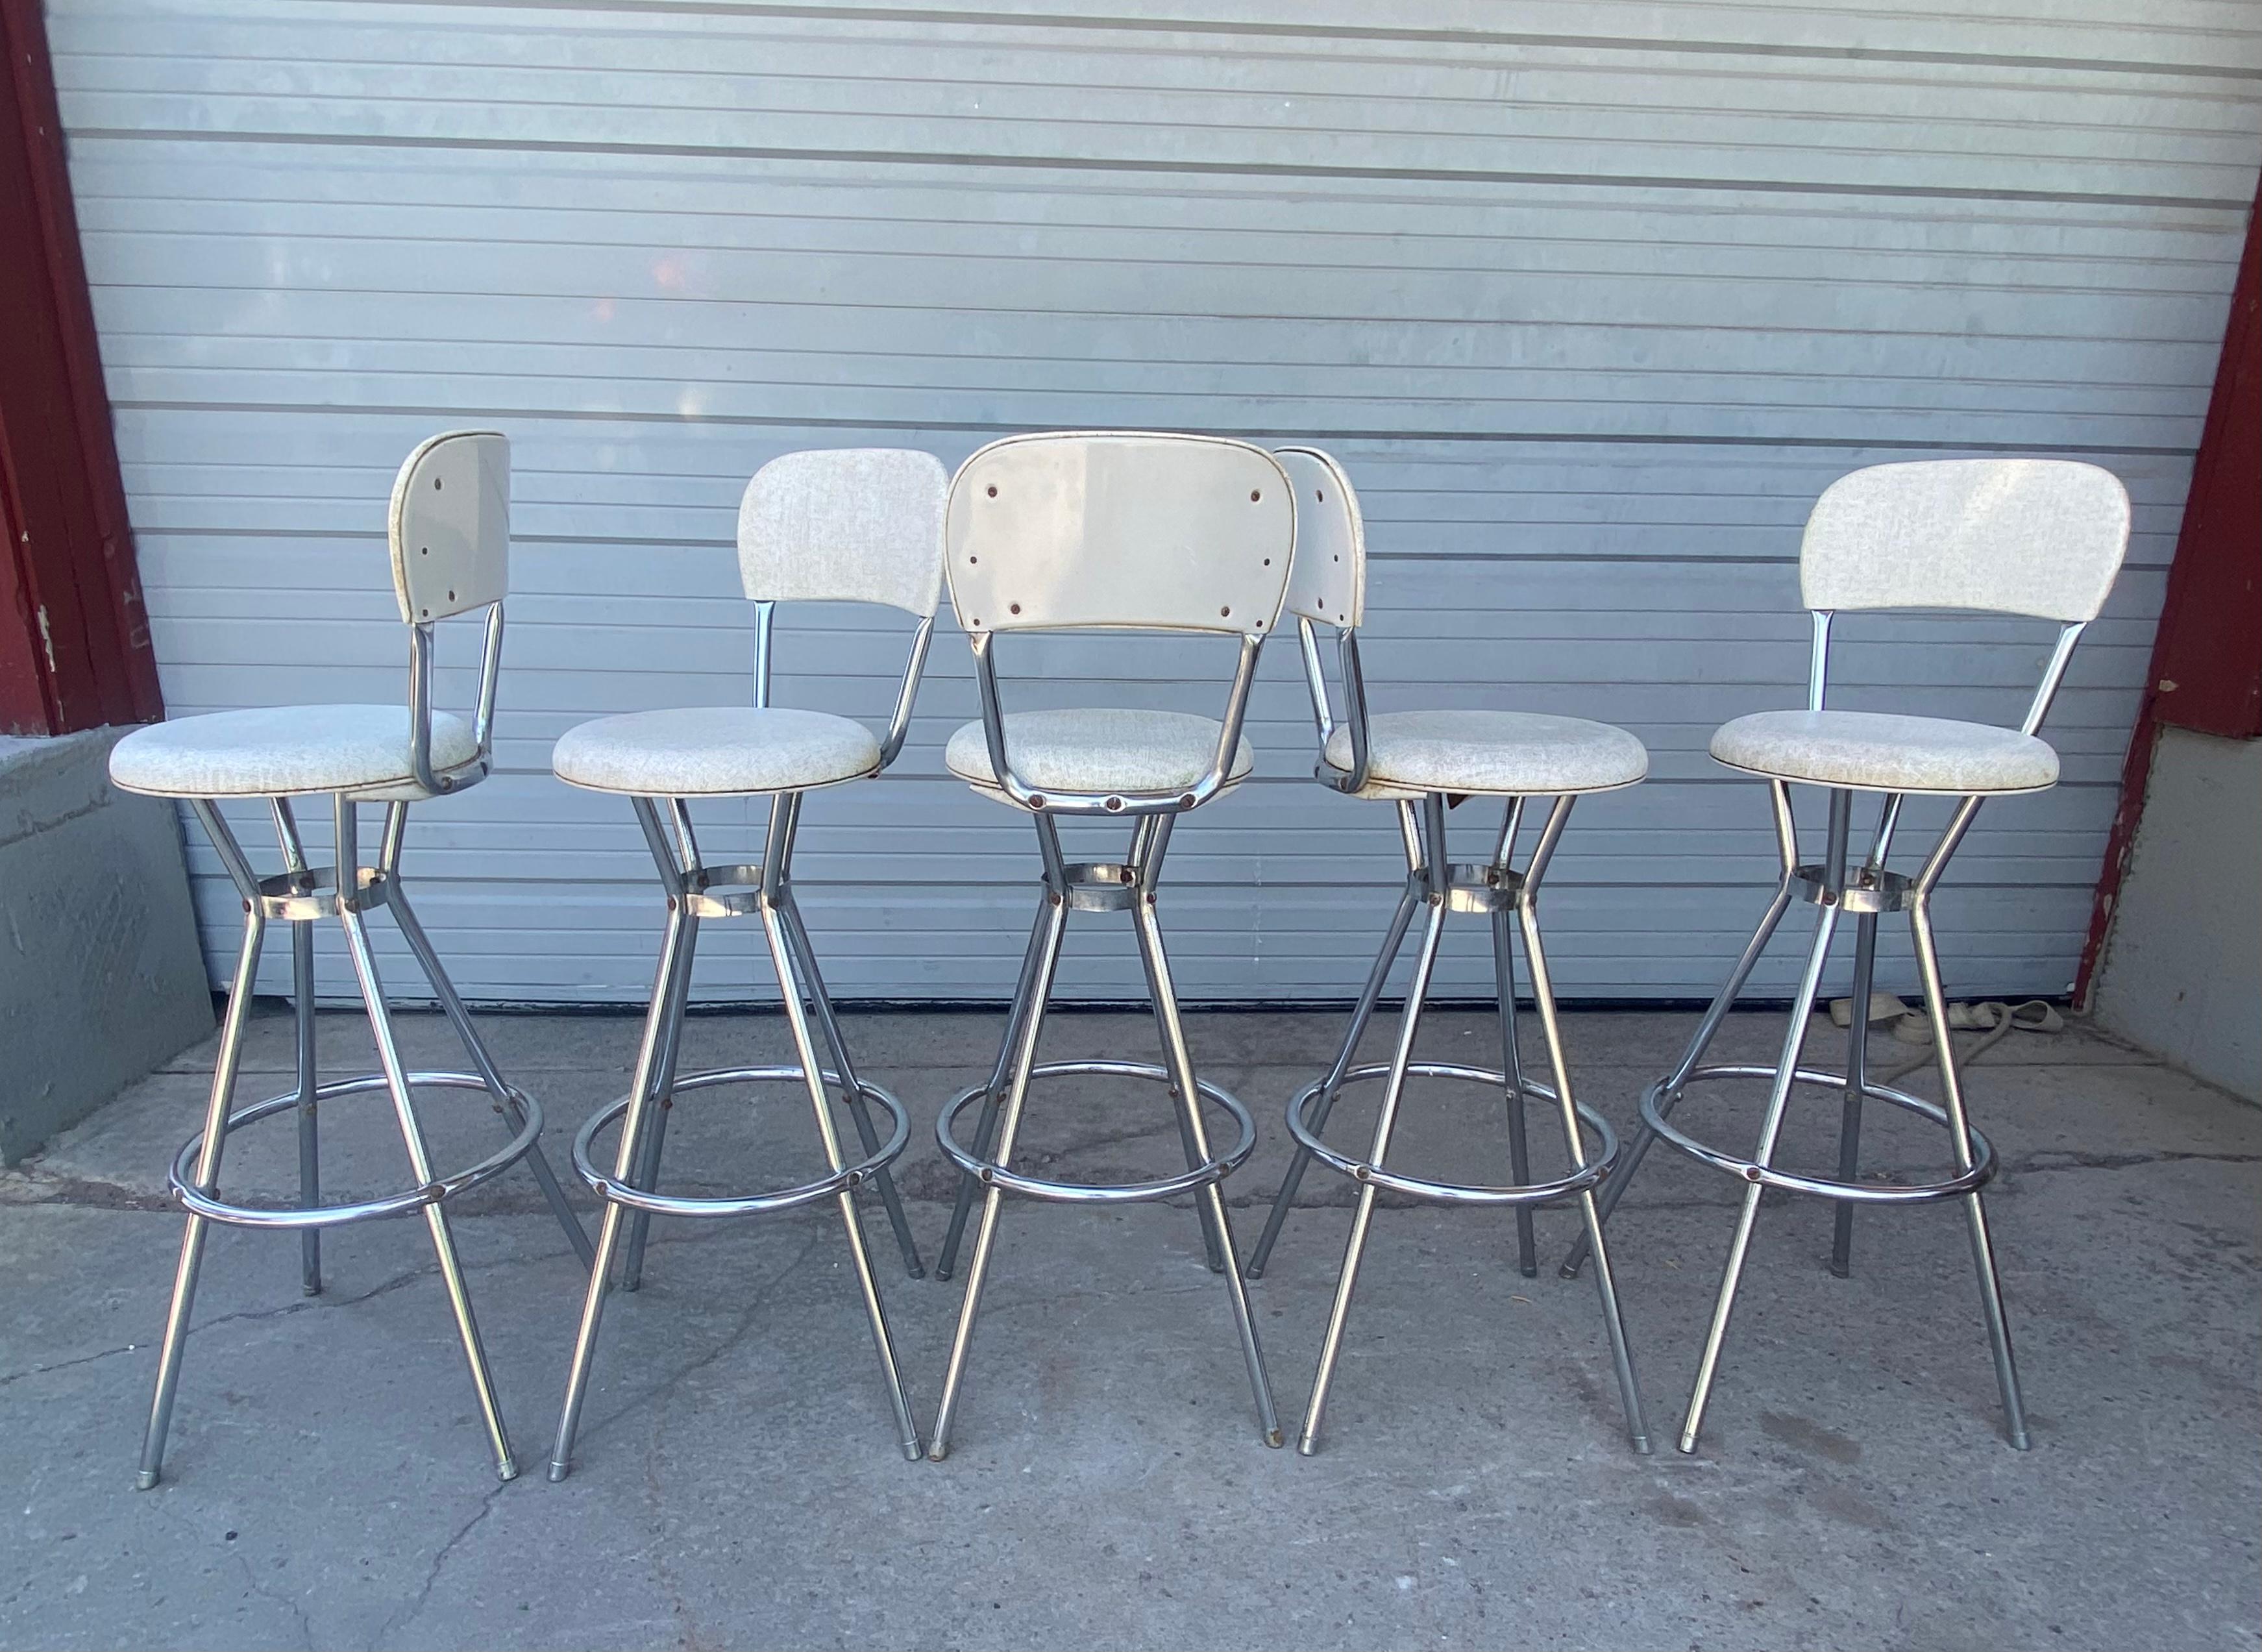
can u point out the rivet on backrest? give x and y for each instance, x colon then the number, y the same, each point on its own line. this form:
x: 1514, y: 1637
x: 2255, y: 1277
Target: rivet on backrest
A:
x: 1254, y: 496
x: 1017, y: 608
x: 993, y: 490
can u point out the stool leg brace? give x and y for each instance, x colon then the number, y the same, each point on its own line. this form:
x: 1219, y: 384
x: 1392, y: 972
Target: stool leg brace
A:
x: 1433, y: 881
x: 1130, y: 886
x: 696, y: 891
x: 302, y: 896
x: 1868, y: 890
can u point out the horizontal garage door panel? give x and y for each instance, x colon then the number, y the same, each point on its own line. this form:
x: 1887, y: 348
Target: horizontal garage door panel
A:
x: 1593, y: 312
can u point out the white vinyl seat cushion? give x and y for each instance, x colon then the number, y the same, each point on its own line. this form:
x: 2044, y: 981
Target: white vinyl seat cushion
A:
x: 1513, y: 753
x: 1881, y: 751
x: 285, y: 751
x: 1098, y: 750
x: 715, y: 751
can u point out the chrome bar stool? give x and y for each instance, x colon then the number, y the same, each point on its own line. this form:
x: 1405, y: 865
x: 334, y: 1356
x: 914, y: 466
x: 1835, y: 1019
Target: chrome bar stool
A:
x: 2036, y: 537
x: 1423, y: 762
x: 1125, y: 532
x: 449, y: 532
x: 850, y: 525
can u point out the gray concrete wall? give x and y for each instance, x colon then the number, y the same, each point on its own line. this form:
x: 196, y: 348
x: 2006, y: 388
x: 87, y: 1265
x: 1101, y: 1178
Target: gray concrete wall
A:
x: 100, y: 976
x: 2182, y: 974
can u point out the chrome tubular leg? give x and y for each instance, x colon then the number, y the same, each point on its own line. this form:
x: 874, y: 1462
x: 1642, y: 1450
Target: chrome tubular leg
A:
x: 1519, y: 1146
x: 674, y: 957
x: 310, y: 1152
x: 1857, y: 1075
x: 192, y: 1237
x: 986, y: 1128
x: 1148, y: 844
x: 1363, y: 1214
x: 1211, y: 1196
x: 1613, y: 1188
x: 805, y: 1043
x: 1322, y: 1104
x: 452, y: 1003
x: 420, y: 1164
x: 1052, y: 922
x: 1802, y: 1007
x: 1543, y: 995
x: 654, y: 1139
x: 1959, y: 1134
x: 860, y: 1111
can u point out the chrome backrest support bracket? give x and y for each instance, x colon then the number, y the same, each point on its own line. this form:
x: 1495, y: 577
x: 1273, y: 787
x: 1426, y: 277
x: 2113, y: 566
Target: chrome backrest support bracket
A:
x: 421, y: 643
x: 1115, y: 803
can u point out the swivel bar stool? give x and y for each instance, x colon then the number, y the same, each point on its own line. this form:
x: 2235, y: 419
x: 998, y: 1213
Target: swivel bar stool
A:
x: 450, y: 533
x: 2038, y: 538
x: 1421, y: 762
x: 851, y: 526
x: 1124, y: 532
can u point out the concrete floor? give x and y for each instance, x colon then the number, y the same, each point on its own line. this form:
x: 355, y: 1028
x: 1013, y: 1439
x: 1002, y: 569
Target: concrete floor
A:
x: 738, y: 1480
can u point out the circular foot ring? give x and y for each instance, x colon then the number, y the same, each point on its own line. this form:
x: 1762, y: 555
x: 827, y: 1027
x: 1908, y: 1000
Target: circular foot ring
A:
x: 993, y: 1174
x: 1866, y: 1193
x: 1583, y: 1179
x: 183, y: 1178
x: 614, y: 1190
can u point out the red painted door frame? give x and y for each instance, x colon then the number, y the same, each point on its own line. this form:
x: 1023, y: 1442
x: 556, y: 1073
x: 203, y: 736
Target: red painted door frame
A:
x: 74, y: 639
x: 2207, y: 657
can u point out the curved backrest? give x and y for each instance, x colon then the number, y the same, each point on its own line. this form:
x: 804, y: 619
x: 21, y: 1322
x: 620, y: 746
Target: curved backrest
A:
x: 857, y: 524
x: 1119, y: 529
x: 2042, y: 537
x: 1327, y: 580
x: 449, y: 525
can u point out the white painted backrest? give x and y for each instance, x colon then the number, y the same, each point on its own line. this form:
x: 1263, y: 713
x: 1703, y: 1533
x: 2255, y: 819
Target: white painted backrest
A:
x: 2042, y: 537
x: 857, y: 524
x: 449, y: 525
x: 1328, y: 579
x: 1120, y: 529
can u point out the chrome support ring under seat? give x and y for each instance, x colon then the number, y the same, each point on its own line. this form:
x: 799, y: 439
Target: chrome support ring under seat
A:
x: 1982, y: 1152
x: 1866, y: 889
x: 1586, y: 1178
x: 303, y: 897
x: 991, y: 1174
x: 182, y: 1177
x: 614, y: 1191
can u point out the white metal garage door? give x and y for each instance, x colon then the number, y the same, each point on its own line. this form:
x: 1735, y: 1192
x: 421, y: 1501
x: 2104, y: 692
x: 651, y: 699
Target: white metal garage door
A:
x: 1593, y: 310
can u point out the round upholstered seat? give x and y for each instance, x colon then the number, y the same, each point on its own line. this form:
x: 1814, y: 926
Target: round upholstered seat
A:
x: 1511, y: 753
x: 715, y: 751
x: 283, y: 751
x: 1880, y: 751
x: 1098, y: 749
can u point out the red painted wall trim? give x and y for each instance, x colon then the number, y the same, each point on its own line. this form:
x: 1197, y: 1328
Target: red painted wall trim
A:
x: 2206, y: 657
x: 74, y: 639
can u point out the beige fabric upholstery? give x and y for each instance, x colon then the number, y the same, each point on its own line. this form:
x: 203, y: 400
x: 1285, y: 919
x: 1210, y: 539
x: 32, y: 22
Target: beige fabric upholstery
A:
x: 1513, y: 753
x: 1098, y: 750
x: 1877, y: 751
x: 283, y: 751
x: 449, y: 525
x: 715, y: 751
x: 846, y: 525
x: 2037, y: 537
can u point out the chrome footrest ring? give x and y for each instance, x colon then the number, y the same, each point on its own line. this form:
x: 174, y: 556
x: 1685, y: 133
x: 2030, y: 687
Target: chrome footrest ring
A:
x: 1866, y: 1193
x: 611, y: 1189
x: 182, y: 1177
x: 991, y: 1174
x: 1583, y: 1179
